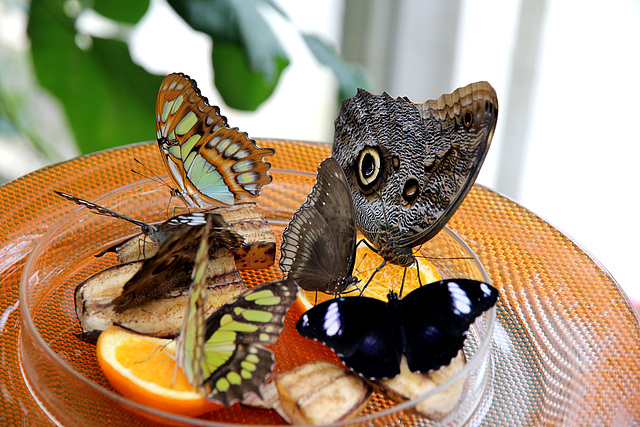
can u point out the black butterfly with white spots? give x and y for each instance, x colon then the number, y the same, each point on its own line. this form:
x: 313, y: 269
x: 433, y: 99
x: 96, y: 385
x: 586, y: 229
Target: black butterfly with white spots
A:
x: 428, y: 326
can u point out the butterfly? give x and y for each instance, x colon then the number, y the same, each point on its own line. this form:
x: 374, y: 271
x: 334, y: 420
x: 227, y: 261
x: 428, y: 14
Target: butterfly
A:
x: 172, y: 265
x: 224, y: 356
x: 209, y: 162
x: 158, y: 234
x: 428, y: 326
x: 318, y: 246
x: 408, y: 165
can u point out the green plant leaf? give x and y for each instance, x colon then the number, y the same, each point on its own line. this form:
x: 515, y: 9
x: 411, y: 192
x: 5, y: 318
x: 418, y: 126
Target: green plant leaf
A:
x: 127, y: 11
x: 240, y: 86
x: 240, y: 22
x: 109, y: 100
x: 351, y: 76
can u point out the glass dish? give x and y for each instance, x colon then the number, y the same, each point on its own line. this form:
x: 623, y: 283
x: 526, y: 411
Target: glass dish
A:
x: 61, y: 371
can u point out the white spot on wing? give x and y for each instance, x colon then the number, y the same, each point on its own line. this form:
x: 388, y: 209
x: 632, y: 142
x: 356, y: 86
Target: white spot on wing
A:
x: 485, y: 289
x: 461, y: 301
x: 332, y: 324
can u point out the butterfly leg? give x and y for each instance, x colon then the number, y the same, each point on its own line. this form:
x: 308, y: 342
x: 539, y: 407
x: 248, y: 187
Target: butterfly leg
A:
x: 363, y: 240
x: 404, y: 275
x: 418, y: 273
x: 378, y: 268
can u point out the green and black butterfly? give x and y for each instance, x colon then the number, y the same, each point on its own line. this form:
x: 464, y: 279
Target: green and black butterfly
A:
x: 224, y: 355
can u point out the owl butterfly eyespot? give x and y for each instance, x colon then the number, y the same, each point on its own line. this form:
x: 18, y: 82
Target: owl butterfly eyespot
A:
x: 410, y: 165
x: 369, y: 167
x: 209, y: 162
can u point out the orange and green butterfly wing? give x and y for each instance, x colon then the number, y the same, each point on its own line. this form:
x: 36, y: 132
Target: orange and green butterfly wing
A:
x: 190, y: 348
x: 209, y: 162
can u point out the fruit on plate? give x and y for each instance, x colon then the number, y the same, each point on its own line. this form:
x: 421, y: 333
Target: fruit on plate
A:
x: 317, y: 392
x: 247, y: 219
x: 409, y: 385
x: 162, y: 317
x: 143, y: 369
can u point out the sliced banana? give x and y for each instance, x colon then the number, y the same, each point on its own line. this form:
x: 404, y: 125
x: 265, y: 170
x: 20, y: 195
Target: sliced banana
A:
x: 409, y: 385
x: 320, y: 393
x: 160, y: 317
x: 247, y: 219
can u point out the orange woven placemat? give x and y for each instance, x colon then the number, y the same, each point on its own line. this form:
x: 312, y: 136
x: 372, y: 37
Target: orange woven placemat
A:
x: 567, y: 345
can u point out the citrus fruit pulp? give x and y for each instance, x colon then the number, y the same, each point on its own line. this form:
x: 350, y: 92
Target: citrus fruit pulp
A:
x: 389, y: 278
x: 143, y: 369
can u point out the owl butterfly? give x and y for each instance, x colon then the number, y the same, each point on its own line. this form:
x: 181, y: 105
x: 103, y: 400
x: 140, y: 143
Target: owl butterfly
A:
x: 318, y: 246
x: 209, y: 162
x: 409, y: 166
x: 224, y: 356
x: 428, y: 326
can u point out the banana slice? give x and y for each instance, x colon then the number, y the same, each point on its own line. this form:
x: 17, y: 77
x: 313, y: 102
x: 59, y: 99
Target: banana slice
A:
x: 409, y: 385
x: 247, y: 219
x: 320, y: 393
x: 161, y: 317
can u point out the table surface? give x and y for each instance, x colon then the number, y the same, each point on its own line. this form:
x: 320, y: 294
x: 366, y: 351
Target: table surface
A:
x: 566, y: 348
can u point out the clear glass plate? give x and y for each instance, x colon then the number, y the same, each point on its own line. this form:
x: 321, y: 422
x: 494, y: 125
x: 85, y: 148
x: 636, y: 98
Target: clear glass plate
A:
x: 61, y: 370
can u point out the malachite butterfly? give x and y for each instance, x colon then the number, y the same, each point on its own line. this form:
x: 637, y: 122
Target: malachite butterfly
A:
x: 209, y: 162
x: 224, y: 355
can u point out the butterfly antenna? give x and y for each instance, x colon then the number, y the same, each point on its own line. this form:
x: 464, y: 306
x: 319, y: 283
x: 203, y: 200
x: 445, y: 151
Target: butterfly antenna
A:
x: 100, y: 210
x: 419, y: 254
x: 155, y: 178
x: 151, y: 174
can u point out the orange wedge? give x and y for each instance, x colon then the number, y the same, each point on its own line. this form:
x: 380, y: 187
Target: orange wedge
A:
x: 389, y: 278
x: 143, y: 369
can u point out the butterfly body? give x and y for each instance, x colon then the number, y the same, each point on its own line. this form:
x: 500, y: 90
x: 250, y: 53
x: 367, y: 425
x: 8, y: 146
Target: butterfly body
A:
x: 410, y: 165
x: 428, y: 326
x: 318, y: 245
x: 209, y: 162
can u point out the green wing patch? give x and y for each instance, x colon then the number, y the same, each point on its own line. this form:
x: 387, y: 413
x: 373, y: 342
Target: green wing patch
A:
x: 228, y: 357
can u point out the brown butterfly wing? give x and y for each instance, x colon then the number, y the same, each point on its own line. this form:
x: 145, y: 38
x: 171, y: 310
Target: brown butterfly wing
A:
x: 410, y: 165
x: 318, y: 245
x: 171, y: 268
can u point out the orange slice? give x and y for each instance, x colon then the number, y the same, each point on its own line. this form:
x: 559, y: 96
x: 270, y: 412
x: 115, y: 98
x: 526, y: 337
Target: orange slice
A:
x: 143, y: 369
x: 387, y: 279
x: 390, y: 277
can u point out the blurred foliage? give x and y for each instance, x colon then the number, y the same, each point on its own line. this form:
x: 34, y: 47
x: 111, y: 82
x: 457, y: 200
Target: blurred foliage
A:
x: 108, y: 99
